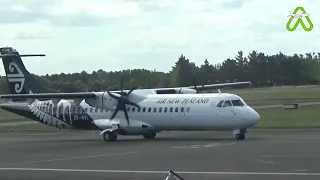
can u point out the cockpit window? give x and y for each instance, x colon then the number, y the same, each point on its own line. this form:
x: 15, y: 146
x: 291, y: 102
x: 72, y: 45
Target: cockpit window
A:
x: 237, y: 103
x: 220, y: 104
x: 227, y: 103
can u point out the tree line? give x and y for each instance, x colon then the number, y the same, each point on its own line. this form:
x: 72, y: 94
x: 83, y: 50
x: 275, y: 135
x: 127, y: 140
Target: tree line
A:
x: 258, y: 68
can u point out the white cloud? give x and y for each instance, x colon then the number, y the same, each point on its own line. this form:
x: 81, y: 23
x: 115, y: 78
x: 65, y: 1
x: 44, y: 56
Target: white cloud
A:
x: 88, y: 35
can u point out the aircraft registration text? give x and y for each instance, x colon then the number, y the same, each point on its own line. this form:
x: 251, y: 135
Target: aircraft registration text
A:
x: 80, y: 117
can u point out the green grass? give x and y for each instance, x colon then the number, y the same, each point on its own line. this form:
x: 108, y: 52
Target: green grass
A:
x: 6, y: 116
x: 304, y: 117
x: 37, y: 127
x: 278, y: 95
x: 14, y: 120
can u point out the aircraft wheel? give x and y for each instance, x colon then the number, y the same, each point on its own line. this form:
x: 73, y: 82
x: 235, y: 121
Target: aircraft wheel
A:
x: 151, y: 135
x: 110, y: 136
x: 240, y: 136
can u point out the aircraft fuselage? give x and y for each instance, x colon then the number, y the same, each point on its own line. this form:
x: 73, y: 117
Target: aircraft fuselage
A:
x: 190, y: 112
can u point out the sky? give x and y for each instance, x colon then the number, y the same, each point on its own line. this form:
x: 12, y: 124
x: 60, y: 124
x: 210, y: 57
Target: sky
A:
x: 113, y: 35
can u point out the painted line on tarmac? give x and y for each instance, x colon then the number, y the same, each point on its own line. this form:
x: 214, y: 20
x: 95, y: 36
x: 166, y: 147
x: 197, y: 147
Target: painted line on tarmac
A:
x: 70, y: 158
x: 212, y: 145
x: 162, y: 172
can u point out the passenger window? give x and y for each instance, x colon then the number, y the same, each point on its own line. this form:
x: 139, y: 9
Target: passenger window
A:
x: 101, y: 110
x: 165, y: 109
x: 149, y: 109
x: 220, y: 104
x: 128, y: 109
x: 177, y: 109
x: 182, y: 109
x: 160, y: 109
x: 237, y: 103
x: 144, y: 109
x: 139, y: 109
x: 91, y: 110
x: 96, y: 110
x: 188, y: 109
x: 155, y: 109
x: 171, y: 109
x: 227, y: 103
x: 133, y: 109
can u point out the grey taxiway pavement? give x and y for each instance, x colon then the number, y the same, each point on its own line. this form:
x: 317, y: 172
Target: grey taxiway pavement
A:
x: 264, y: 154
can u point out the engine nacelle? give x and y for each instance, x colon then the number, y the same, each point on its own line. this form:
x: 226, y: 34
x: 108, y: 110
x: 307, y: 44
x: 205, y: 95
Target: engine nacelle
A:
x: 186, y: 91
x: 102, y: 101
x: 135, y: 127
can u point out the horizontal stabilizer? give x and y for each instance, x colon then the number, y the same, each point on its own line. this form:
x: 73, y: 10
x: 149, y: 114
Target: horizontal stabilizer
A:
x: 80, y: 95
x: 23, y: 55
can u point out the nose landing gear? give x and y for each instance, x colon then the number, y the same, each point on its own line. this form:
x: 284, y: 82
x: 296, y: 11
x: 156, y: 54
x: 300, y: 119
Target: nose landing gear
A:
x: 240, y: 136
x: 240, y: 133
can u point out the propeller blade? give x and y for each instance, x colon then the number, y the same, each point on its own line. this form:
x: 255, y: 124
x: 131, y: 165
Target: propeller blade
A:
x: 126, y: 114
x: 133, y: 104
x: 114, y: 113
x: 203, y: 85
x: 132, y: 89
x: 194, y: 83
x: 121, y: 86
x: 113, y: 96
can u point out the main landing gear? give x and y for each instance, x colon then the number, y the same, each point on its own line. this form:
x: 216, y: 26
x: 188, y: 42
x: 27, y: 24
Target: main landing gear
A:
x: 150, y: 135
x: 240, y: 134
x: 110, y: 136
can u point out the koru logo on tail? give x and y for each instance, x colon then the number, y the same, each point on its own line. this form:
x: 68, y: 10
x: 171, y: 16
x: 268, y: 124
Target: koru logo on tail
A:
x: 16, y: 77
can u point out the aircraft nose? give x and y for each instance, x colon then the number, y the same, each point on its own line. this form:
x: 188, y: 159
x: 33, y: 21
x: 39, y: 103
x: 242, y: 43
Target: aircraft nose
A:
x: 253, y: 117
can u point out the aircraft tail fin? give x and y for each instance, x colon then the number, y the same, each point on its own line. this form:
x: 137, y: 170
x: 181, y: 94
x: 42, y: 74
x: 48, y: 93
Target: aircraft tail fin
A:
x: 20, y: 81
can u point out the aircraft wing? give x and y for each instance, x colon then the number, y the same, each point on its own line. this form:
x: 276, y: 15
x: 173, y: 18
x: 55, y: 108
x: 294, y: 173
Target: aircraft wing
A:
x: 93, y: 95
x: 216, y: 86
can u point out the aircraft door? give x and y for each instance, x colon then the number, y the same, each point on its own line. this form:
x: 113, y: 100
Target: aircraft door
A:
x: 182, y: 110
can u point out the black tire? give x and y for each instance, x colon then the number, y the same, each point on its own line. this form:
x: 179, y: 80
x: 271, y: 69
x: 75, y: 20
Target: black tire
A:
x: 110, y: 136
x: 150, y: 135
x: 240, y: 136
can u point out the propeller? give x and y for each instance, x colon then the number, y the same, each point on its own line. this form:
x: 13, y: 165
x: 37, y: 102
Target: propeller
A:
x: 195, y: 86
x: 122, y: 101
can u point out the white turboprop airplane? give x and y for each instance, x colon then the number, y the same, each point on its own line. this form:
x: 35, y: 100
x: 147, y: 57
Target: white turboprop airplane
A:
x: 143, y: 111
